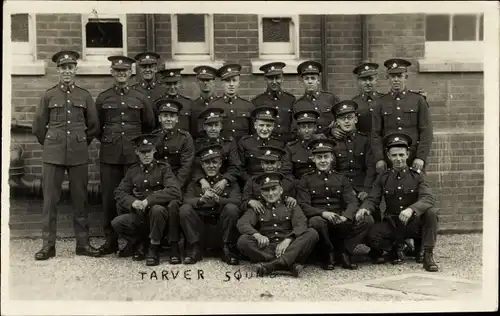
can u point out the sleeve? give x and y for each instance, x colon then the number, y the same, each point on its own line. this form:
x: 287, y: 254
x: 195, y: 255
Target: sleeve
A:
x: 425, y: 129
x: 425, y: 200
x: 286, y: 163
x: 241, y: 152
x: 92, y: 118
x: 374, y: 198
x: 370, y: 168
x: 247, y: 194
x: 148, y: 116
x: 299, y: 222
x: 198, y: 172
x: 376, y: 134
x: 171, y: 189
x: 190, y: 195
x: 234, y: 195
x: 350, y: 199
x: 187, y: 158
x: 124, y: 192
x: 234, y: 164
x: 304, y: 199
x: 100, y: 116
x: 39, y: 127
x: 247, y: 222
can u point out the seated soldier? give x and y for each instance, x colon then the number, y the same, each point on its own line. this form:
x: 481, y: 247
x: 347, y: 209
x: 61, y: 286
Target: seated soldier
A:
x: 270, y: 160
x: 231, y: 163
x: 328, y: 200
x: 410, y: 211
x: 199, y: 206
x: 145, y: 199
x: 297, y: 151
x: 264, y: 122
x: 278, y: 239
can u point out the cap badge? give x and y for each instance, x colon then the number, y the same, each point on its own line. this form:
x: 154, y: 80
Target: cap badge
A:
x: 210, y: 151
x: 394, y: 65
x: 344, y: 107
x: 171, y: 74
x: 396, y: 139
x: 267, y: 179
x: 366, y: 67
x: 168, y: 104
x: 145, y: 142
x: 310, y: 67
x: 212, y: 114
x: 305, y: 115
x: 272, y: 68
x: 268, y: 152
x: 268, y: 113
x: 66, y: 56
x: 204, y: 71
x: 120, y: 61
x: 320, y: 145
x: 147, y: 56
x: 228, y: 69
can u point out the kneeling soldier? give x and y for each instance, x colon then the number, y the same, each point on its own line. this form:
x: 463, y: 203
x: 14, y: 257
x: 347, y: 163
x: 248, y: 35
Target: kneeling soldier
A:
x: 199, y: 206
x: 279, y: 239
x: 409, y: 213
x: 143, y: 194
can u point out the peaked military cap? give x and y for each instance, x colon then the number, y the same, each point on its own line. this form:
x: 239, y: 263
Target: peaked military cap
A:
x: 322, y: 145
x: 271, y: 153
x: 209, y: 152
x: 397, y: 140
x: 145, y: 142
x: 366, y: 69
x: 306, y: 116
x: 397, y: 65
x: 211, y: 114
x: 121, y: 62
x: 309, y: 67
x: 344, y: 107
x: 228, y: 71
x: 269, y: 179
x: 205, y: 72
x: 65, y: 57
x: 171, y: 74
x: 147, y: 58
x: 273, y: 69
x: 168, y: 105
x: 267, y: 113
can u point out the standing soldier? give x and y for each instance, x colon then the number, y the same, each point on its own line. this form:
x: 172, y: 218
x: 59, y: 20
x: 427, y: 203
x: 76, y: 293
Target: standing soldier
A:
x: 124, y: 113
x: 205, y: 78
x: 410, y: 207
x: 275, y: 97
x: 200, y: 206
x: 402, y: 111
x: 237, y: 110
x: 174, y: 145
x: 313, y: 98
x: 65, y: 124
x: 328, y: 200
x: 145, y: 195
x: 298, y: 152
x: 172, y: 80
x: 278, y: 239
x: 147, y: 66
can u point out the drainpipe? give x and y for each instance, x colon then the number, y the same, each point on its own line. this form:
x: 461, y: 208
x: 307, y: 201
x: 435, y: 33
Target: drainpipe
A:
x: 150, y: 32
x: 324, y: 60
x: 364, y: 38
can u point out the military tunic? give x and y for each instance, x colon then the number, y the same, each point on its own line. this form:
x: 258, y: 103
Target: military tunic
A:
x: 251, y: 191
x: 366, y: 103
x: 184, y: 113
x: 321, y: 102
x: 299, y: 156
x: 406, y: 112
x: 153, y: 90
x: 236, y: 117
x: 199, y: 105
x: 283, y: 102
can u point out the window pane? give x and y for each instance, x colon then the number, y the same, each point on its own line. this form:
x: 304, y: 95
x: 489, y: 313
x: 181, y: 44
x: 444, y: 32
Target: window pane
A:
x: 19, y: 28
x: 276, y: 29
x: 464, y: 27
x: 191, y: 27
x: 104, y: 33
x: 437, y: 28
x: 481, y: 25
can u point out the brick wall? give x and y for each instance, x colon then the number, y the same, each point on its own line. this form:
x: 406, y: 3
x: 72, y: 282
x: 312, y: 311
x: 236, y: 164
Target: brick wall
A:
x: 456, y: 99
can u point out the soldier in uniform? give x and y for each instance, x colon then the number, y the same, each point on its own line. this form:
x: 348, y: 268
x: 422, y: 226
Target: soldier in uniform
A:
x: 236, y: 109
x: 65, y: 124
x: 274, y: 96
x: 205, y: 77
x: 147, y: 66
x: 145, y: 197
x: 174, y: 145
x: 198, y: 206
x: 328, y: 200
x: 410, y: 207
x: 401, y: 111
x: 278, y: 239
x: 231, y: 164
x: 313, y: 98
x: 270, y: 158
x: 298, y: 152
x: 124, y: 113
x: 264, y: 121
x: 171, y: 78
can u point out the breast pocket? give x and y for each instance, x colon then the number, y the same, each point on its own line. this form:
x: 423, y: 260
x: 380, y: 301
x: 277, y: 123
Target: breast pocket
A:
x: 242, y: 120
x: 52, y: 137
x: 342, y: 161
x: 410, y: 117
x: 184, y: 120
x: 55, y: 109
x: 174, y: 156
x: 133, y: 112
x: 79, y: 108
x: 388, y: 119
x: 360, y: 158
x: 389, y: 192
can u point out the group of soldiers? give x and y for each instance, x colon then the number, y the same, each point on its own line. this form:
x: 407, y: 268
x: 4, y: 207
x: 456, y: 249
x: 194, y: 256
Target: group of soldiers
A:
x: 284, y: 179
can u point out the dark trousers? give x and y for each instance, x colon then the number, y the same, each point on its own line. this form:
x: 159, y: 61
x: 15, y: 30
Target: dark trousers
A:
x: 384, y: 234
x: 298, y: 250
x: 111, y: 176
x: 53, y: 176
x: 340, y: 237
x: 138, y: 228
x: 193, y: 225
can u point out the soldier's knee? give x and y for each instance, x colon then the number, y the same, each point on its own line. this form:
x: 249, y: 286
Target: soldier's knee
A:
x: 431, y: 214
x: 173, y: 205
x: 157, y: 211
x: 368, y: 221
x: 314, y: 236
x: 243, y: 242
x: 118, y: 223
x: 185, y: 211
x: 231, y: 210
x: 317, y: 222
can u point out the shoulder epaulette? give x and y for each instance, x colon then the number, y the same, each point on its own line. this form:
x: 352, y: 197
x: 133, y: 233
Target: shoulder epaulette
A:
x: 361, y: 133
x: 292, y: 142
x: 184, y: 97
x: 156, y: 131
x: 181, y: 131
x: 245, y: 137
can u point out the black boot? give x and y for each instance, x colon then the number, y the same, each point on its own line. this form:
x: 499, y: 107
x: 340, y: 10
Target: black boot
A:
x: 109, y: 247
x: 140, y: 252
x: 329, y: 262
x: 376, y: 256
x: 87, y: 250
x: 346, y: 262
x: 399, y: 253
x: 266, y: 268
x: 45, y: 253
x: 193, y: 254
x: 153, y: 257
x: 296, y: 269
x: 419, y: 251
x: 175, y: 257
x: 429, y: 263
x: 127, y: 251
x: 228, y: 256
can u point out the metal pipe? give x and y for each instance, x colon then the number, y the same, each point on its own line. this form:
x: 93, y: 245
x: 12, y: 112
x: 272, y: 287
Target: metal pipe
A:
x: 365, y: 42
x: 324, y: 59
x: 150, y: 32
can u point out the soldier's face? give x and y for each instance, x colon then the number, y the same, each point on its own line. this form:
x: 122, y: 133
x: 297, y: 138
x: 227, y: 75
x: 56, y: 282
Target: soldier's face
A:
x: 67, y: 73
x: 231, y: 85
x: 306, y: 130
x: 213, y: 129
x: 168, y: 120
x: 272, y: 194
x: 211, y: 166
x: 264, y: 128
x: 146, y: 157
x: 397, y: 156
x: 367, y: 84
x: 398, y: 81
x: 274, y: 82
x: 148, y: 71
x: 172, y: 87
x: 347, y: 122
x: 311, y: 83
x: 270, y: 166
x: 121, y: 75
x: 323, y: 161
x: 206, y: 86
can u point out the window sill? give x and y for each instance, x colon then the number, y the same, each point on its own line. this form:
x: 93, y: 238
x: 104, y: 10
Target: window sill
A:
x: 452, y: 65
x: 291, y: 65
x: 95, y: 68
x: 29, y: 68
x: 189, y: 65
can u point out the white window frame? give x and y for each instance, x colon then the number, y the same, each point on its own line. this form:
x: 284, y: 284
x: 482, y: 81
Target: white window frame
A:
x: 205, y: 50
x: 24, y: 55
x: 265, y: 48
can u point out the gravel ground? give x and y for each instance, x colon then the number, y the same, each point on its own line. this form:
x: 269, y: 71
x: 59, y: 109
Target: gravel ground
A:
x: 110, y: 278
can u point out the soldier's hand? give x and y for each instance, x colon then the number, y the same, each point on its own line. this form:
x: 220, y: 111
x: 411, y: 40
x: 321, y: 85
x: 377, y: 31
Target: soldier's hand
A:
x: 220, y: 186
x: 341, y: 219
x: 145, y: 203
x: 330, y: 216
x: 204, y: 185
x: 381, y: 166
x: 362, y: 213
x: 257, y: 206
x: 418, y: 164
x: 405, y: 215
x: 337, y: 133
x: 281, y: 248
x: 137, y: 205
x: 262, y: 241
x: 362, y: 195
x: 290, y: 202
